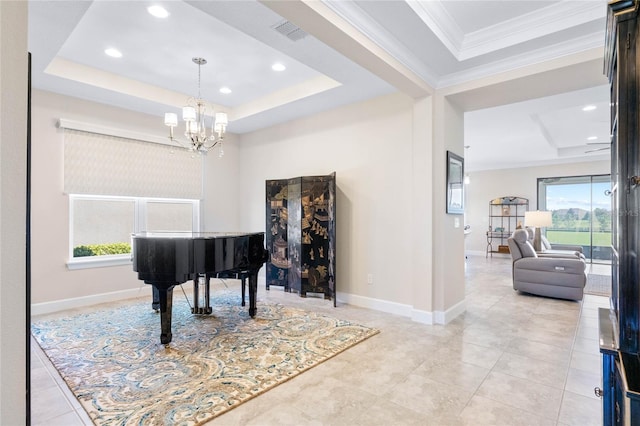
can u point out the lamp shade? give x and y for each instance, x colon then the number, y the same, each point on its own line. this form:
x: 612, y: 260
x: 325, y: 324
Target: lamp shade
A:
x: 221, y: 118
x: 537, y: 219
x: 171, y: 119
x: 221, y: 122
x: 188, y: 113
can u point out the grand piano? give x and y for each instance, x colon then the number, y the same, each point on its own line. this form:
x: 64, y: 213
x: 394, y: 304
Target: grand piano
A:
x: 167, y: 259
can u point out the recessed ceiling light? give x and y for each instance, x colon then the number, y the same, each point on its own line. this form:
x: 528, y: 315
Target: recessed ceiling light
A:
x: 225, y: 90
x: 278, y: 67
x: 158, y: 11
x: 114, y: 53
x: 592, y: 138
x: 589, y: 108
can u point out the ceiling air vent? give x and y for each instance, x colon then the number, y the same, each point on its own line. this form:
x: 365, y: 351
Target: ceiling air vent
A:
x: 290, y: 30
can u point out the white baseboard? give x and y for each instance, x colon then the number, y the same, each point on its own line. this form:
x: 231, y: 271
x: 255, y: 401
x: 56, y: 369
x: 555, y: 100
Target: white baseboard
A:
x: 447, y: 316
x: 423, y: 317
x: 375, y: 304
x: 417, y: 315
x: 484, y: 254
x: 94, y: 299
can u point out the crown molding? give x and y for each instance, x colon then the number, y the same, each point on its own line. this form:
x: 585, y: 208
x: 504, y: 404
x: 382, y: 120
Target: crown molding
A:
x: 502, y: 165
x: 569, y: 47
x: 360, y: 20
x: 530, y: 26
x: 548, y: 20
x: 437, y: 18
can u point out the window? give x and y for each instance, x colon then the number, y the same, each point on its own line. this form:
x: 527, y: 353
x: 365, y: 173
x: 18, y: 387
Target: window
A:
x: 581, y: 213
x: 101, y: 226
x: 132, y: 171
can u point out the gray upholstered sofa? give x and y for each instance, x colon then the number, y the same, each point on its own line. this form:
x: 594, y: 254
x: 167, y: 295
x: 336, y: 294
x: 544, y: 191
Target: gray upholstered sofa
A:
x: 555, y: 250
x: 560, y: 277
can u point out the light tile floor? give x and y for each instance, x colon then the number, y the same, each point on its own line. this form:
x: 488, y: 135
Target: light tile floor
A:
x: 510, y: 359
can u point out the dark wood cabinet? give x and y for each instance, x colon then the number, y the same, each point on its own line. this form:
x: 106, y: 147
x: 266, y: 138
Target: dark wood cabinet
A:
x: 301, y: 234
x: 619, y: 331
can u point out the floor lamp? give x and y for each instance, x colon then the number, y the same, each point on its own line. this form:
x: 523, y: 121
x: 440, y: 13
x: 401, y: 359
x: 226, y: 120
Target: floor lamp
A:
x: 537, y: 219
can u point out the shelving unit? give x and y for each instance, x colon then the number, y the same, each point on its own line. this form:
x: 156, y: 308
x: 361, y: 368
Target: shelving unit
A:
x: 619, y: 325
x: 505, y: 215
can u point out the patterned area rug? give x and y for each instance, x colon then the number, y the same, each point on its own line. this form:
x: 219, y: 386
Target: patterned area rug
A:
x: 112, y: 359
x: 598, y: 285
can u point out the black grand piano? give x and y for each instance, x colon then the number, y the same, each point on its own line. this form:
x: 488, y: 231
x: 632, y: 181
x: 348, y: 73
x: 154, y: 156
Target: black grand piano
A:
x: 167, y: 259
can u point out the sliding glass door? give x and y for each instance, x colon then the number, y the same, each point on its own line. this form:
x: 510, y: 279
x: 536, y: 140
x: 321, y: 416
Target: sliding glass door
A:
x: 581, y: 213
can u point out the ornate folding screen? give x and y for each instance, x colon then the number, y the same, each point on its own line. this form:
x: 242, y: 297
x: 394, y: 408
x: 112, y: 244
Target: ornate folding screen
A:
x: 300, y: 234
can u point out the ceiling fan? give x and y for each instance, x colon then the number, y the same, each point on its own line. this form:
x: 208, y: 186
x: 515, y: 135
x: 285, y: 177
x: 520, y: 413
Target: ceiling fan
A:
x: 607, y: 146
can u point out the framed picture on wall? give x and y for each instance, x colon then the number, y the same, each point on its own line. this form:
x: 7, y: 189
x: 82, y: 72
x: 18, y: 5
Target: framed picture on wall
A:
x: 455, y: 183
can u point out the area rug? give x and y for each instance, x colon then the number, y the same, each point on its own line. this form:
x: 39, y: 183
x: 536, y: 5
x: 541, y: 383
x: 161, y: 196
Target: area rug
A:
x: 598, y: 285
x: 112, y: 359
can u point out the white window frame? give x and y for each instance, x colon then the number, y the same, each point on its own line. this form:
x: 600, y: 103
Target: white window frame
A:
x: 139, y: 225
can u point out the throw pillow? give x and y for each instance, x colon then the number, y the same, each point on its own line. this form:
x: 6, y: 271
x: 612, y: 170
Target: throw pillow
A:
x: 527, y: 250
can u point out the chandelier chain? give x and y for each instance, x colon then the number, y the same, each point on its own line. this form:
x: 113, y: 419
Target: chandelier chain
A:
x: 199, y: 95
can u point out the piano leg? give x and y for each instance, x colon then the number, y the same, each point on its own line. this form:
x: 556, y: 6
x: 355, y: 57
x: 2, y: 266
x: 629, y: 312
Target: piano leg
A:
x: 196, y: 295
x: 165, y: 295
x: 253, y: 290
x: 243, y: 277
x: 207, y: 295
x: 155, y: 304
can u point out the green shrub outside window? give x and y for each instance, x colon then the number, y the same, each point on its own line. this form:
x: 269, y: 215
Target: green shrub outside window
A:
x: 101, y: 249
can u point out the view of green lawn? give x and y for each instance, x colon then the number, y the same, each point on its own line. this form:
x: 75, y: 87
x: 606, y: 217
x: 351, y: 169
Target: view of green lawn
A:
x: 601, y: 239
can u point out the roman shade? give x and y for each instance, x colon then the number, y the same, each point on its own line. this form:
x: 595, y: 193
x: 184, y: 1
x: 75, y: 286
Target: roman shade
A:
x: 100, y: 164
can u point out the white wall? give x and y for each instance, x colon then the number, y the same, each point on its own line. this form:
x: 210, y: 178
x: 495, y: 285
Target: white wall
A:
x: 13, y: 178
x: 369, y: 146
x: 221, y: 190
x: 520, y: 182
x: 52, y: 281
x: 448, y: 257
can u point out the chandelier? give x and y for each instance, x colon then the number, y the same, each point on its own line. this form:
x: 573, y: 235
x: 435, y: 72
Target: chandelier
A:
x: 193, y: 114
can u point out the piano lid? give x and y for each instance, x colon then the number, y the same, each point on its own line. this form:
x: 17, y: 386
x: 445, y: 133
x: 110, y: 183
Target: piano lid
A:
x: 192, y: 235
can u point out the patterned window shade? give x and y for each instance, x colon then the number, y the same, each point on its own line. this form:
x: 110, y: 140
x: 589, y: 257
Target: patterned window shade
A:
x: 100, y: 164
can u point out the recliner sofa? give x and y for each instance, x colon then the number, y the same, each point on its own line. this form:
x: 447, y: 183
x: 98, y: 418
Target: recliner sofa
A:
x: 555, y: 250
x: 559, y: 277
